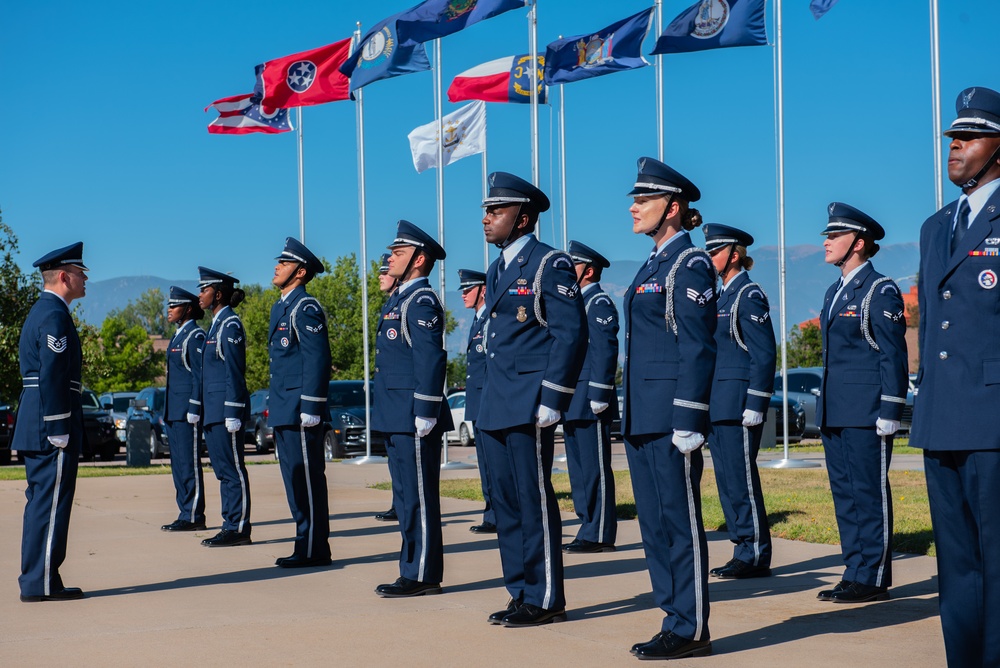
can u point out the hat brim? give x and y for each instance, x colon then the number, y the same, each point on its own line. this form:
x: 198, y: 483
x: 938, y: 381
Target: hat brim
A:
x: 970, y: 129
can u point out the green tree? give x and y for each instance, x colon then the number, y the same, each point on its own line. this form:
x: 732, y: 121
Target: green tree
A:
x: 18, y: 292
x: 148, y: 312
x: 456, y: 371
x: 255, y: 313
x: 805, y: 346
x: 120, y: 357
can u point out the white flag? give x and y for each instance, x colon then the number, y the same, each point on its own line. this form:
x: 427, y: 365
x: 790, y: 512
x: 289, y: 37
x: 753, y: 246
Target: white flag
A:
x: 464, y: 134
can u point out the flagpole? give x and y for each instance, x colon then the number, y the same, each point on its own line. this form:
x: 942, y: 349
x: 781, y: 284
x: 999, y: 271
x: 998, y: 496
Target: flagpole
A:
x: 784, y: 463
x: 659, y: 85
x: 533, y: 42
x: 359, y: 109
x: 302, y: 197
x: 562, y: 163
x: 936, y: 97
x: 486, y: 193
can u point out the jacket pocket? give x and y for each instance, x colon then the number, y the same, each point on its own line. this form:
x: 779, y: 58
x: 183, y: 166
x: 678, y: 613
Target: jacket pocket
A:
x: 861, y: 377
x: 215, y: 387
x: 293, y: 382
x: 530, y: 363
x: 732, y: 373
x: 661, y: 371
x: 399, y: 381
x: 991, y: 371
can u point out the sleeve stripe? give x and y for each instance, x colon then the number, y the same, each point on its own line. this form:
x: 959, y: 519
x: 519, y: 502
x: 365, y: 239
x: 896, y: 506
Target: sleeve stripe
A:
x: 558, y: 388
x: 601, y: 386
x: 681, y: 403
x: 425, y: 397
x: 53, y: 418
x: 894, y: 400
x: 234, y: 404
x: 308, y: 398
x: 192, y: 401
x: 758, y: 393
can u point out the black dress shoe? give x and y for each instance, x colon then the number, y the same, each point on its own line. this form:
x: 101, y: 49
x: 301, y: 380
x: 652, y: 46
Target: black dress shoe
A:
x: 855, y: 592
x: 715, y: 571
x: 387, y: 516
x: 298, y: 561
x: 635, y: 647
x: 531, y: 615
x: 64, y: 594
x: 227, y: 538
x: 581, y: 546
x: 485, y: 527
x: 738, y: 570
x: 668, y: 645
x: 497, y: 617
x: 404, y: 587
x: 827, y: 594
x: 183, y: 525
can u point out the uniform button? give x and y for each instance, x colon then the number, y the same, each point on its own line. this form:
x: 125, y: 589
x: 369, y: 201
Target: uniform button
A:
x: 491, y: 355
x: 493, y: 315
x: 943, y: 354
x: 945, y: 325
x: 626, y: 334
x: 946, y: 294
x: 376, y: 351
x: 493, y: 335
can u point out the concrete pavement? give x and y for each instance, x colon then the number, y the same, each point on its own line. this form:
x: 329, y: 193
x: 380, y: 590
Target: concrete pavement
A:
x: 159, y: 599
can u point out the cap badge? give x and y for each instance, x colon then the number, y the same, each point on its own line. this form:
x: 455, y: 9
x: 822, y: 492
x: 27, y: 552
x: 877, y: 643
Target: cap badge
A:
x: 831, y: 209
x: 967, y: 98
x: 493, y: 180
x: 642, y: 164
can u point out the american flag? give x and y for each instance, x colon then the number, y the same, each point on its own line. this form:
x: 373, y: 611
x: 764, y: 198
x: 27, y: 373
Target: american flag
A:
x: 240, y: 115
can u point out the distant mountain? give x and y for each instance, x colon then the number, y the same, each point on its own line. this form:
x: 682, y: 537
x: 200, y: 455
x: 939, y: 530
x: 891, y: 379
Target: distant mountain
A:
x: 115, y: 293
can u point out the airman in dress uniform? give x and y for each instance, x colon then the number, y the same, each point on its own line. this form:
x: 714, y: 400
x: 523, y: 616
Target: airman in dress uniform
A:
x: 587, y: 423
x: 299, y: 350
x: 183, y: 409
x: 409, y: 408
x: 861, y: 401
x: 959, y: 383
x: 536, y: 336
x: 473, y: 287
x: 669, y: 360
x: 388, y: 285
x: 225, y: 403
x: 48, y: 434
x: 741, y: 391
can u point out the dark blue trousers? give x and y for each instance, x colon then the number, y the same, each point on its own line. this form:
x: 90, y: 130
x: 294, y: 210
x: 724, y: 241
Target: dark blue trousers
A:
x: 588, y: 457
x: 857, y: 460
x: 51, y: 485
x: 667, y: 489
x: 529, y: 528
x: 489, y: 515
x: 185, y: 466
x: 226, y: 452
x: 303, y: 468
x: 964, y: 491
x: 390, y: 455
x: 416, y: 489
x: 734, y: 456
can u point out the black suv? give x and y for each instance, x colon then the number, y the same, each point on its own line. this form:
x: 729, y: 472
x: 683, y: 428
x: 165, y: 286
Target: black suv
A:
x: 99, y: 438
x: 149, y: 405
x: 345, y: 433
x: 257, y: 429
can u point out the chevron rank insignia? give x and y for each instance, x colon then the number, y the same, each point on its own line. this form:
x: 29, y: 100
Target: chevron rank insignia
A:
x: 568, y: 292
x: 605, y: 321
x: 315, y: 330
x: 56, y: 345
x: 760, y: 318
x: 895, y: 317
x: 429, y: 324
x: 700, y: 298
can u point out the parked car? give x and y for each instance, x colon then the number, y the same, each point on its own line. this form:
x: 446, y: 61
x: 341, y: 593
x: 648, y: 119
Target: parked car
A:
x: 149, y: 404
x: 616, y: 424
x: 463, y: 433
x: 99, y: 439
x: 906, y: 422
x: 117, y: 404
x: 345, y: 432
x: 6, y: 431
x: 257, y: 430
x: 796, y: 417
x: 803, y: 386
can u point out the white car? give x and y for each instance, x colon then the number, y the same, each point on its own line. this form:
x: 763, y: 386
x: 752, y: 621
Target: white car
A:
x: 463, y: 433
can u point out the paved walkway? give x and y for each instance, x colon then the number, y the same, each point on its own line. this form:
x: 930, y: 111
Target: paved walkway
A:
x: 158, y: 599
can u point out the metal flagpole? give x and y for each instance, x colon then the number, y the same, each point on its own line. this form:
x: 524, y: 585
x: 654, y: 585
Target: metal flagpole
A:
x: 533, y: 42
x: 302, y: 196
x: 562, y: 164
x: 936, y: 97
x: 659, y: 85
x: 486, y: 193
x: 360, y: 114
x: 784, y: 463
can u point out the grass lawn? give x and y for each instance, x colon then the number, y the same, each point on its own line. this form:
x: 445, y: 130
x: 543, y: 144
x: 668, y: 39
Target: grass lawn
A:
x: 90, y: 471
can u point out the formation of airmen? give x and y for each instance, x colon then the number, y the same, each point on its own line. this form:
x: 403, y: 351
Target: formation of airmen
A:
x: 699, y: 363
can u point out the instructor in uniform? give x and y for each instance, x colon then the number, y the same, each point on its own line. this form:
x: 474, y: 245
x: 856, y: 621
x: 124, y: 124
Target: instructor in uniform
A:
x: 48, y: 435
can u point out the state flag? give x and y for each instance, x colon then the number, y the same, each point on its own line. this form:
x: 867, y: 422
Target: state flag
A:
x: 383, y: 53
x: 505, y: 79
x: 820, y: 7
x: 240, y: 115
x: 613, y: 49
x: 306, y: 78
x: 715, y: 24
x: 464, y: 134
x: 432, y: 19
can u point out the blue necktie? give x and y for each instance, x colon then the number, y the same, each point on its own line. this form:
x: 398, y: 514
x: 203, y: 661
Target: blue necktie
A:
x: 500, y: 268
x: 961, y: 224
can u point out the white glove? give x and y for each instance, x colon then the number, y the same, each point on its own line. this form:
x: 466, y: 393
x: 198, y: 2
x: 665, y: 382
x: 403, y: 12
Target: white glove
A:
x: 598, y: 407
x: 752, y: 418
x: 193, y: 418
x: 687, y: 441
x: 309, y: 420
x: 886, y: 427
x: 60, y: 441
x: 546, y: 417
x: 233, y: 425
x: 424, y: 425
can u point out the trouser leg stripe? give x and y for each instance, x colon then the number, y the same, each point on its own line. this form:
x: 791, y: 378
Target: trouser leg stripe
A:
x: 197, y: 486
x: 696, y: 548
x: 423, y: 511
x: 243, y: 483
x: 546, y: 534
x: 309, y: 492
x: 751, y: 496
x: 885, y: 516
x: 52, y: 523
x: 602, y: 537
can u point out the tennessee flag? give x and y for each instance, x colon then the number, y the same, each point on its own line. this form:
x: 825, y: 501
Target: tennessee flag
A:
x: 306, y: 78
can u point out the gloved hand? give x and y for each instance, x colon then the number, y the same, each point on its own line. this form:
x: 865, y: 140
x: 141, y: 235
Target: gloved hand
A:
x: 598, y: 407
x: 687, y: 441
x: 193, y: 418
x: 424, y: 425
x: 233, y: 425
x: 309, y: 420
x: 752, y: 418
x: 546, y: 417
x: 886, y: 427
x: 60, y: 441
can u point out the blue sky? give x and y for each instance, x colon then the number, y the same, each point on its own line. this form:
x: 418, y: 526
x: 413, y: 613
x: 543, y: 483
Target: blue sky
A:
x: 106, y: 136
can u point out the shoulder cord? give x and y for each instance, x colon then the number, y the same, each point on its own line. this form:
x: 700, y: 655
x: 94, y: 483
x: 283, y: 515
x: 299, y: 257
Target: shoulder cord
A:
x: 593, y: 299
x: 218, y: 336
x: 295, y: 310
x: 668, y: 286
x: 405, y: 307
x: 184, y: 346
x: 537, y: 286
x: 734, y: 315
x: 866, y: 306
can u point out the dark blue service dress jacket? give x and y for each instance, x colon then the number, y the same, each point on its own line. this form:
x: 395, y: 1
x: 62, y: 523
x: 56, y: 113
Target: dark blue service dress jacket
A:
x: 223, y: 373
x: 475, y: 368
x: 184, y: 359
x: 300, y: 360
x: 597, y: 377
